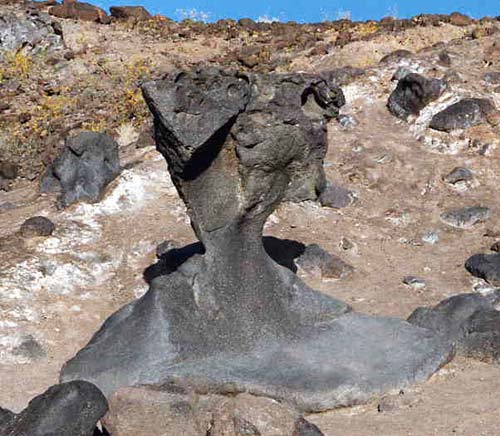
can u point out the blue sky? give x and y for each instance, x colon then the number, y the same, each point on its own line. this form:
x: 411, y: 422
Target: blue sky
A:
x: 308, y: 10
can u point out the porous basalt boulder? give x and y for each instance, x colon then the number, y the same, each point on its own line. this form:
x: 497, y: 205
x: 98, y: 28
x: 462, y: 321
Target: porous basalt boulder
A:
x: 485, y: 266
x: 464, y: 114
x: 231, y: 320
x: 86, y: 165
x: 72, y: 408
x: 413, y: 92
x: 470, y: 321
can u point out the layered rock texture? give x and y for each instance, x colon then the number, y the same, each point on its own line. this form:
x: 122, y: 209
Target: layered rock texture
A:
x: 233, y: 320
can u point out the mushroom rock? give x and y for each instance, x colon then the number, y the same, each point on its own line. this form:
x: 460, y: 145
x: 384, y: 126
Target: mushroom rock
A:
x: 231, y: 319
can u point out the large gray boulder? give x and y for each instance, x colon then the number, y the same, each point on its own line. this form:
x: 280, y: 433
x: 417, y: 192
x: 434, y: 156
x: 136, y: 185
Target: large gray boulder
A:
x: 67, y: 409
x: 86, y: 165
x: 233, y: 320
x: 464, y: 114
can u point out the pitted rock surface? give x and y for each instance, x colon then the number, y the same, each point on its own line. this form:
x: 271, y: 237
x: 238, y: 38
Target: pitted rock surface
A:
x: 232, y: 319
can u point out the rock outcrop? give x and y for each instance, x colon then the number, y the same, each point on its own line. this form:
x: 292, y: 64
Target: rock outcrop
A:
x: 232, y: 320
x: 80, y: 11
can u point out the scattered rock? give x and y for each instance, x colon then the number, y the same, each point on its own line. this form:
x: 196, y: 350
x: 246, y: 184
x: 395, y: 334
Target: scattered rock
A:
x: 8, y: 170
x: 458, y: 174
x: 462, y: 115
x: 30, y: 349
x: 444, y: 59
x: 336, y: 197
x: 87, y: 164
x: 80, y: 11
x: 413, y: 93
x: 306, y: 428
x: 465, y: 218
x: 414, y: 282
x: 485, y: 266
x: 468, y: 320
x: 130, y: 13
x: 317, y: 260
x: 348, y: 122
x: 496, y: 247
x: 430, y: 238
x: 37, y: 226
x: 396, y: 56
x: 492, y: 77
x: 400, y: 73
x: 72, y: 408
x: 343, y: 76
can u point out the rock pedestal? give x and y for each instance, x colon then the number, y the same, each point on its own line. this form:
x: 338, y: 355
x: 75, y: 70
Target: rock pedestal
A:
x: 232, y: 320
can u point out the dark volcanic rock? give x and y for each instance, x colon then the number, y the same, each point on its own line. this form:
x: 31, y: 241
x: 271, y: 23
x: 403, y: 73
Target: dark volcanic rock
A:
x: 396, y: 56
x: 306, y: 428
x: 465, y: 218
x: 6, y: 417
x: 88, y: 163
x: 80, y: 11
x: 30, y: 349
x: 413, y: 93
x: 8, y: 170
x: 130, y: 13
x: 485, y: 266
x: 330, y: 266
x: 492, y: 77
x: 67, y: 409
x: 463, y: 114
x: 458, y: 174
x: 470, y: 321
x: 37, y: 226
x: 336, y: 197
x: 232, y: 320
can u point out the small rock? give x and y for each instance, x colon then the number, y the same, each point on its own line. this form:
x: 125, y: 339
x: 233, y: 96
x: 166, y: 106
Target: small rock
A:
x: 413, y: 93
x: 430, y: 238
x: 37, y: 226
x: 396, y: 56
x: 30, y: 349
x: 316, y: 259
x: 492, y: 77
x: 444, y: 59
x: 164, y: 248
x: 400, y: 73
x: 463, y: 114
x: 336, y: 197
x: 345, y: 244
x: 458, y: 174
x: 306, y: 428
x: 348, y: 122
x: 485, y: 266
x: 8, y: 170
x: 414, y: 282
x: 496, y: 247
x: 465, y: 218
